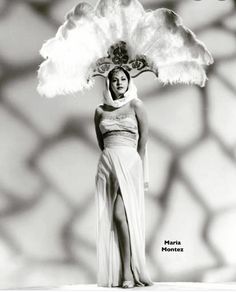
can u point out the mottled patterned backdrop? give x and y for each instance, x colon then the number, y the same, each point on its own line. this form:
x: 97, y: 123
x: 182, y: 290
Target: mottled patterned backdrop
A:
x: 48, y: 157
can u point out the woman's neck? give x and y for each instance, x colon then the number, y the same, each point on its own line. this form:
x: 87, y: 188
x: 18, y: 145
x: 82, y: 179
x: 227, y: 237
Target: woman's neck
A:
x: 115, y: 97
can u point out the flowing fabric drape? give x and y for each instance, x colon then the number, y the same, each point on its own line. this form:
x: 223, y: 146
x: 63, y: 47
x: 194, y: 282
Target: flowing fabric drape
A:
x: 120, y: 166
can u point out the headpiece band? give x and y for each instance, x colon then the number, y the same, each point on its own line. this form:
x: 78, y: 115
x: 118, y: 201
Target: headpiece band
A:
x: 118, y: 55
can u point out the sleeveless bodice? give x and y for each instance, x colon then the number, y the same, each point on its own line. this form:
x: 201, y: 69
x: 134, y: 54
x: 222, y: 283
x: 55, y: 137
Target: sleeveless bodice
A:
x: 119, y: 131
x: 121, y: 123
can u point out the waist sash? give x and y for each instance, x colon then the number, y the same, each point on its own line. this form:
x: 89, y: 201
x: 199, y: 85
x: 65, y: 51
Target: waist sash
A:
x: 120, y: 138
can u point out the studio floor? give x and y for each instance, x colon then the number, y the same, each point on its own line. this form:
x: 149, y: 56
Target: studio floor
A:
x: 160, y: 287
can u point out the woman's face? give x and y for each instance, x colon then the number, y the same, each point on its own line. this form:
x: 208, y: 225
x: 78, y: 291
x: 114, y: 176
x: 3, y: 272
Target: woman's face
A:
x: 119, y: 83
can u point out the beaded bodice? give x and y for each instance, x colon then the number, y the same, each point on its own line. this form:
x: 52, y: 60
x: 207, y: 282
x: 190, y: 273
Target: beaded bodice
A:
x: 125, y: 122
x: 122, y: 129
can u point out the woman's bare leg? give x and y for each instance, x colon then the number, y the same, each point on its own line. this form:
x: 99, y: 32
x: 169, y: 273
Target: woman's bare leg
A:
x: 123, y: 235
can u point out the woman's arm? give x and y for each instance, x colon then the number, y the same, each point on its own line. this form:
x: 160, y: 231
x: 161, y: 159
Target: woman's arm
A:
x: 97, y: 117
x: 142, y: 119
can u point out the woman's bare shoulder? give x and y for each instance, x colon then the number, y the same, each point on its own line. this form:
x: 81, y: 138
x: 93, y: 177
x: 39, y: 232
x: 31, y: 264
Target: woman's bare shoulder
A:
x: 137, y: 104
x: 99, y: 110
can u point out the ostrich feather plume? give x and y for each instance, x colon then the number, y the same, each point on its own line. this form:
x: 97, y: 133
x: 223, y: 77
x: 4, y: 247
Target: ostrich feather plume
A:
x: 87, y: 34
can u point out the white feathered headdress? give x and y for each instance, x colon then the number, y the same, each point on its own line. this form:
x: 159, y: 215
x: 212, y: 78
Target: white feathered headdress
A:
x: 120, y: 32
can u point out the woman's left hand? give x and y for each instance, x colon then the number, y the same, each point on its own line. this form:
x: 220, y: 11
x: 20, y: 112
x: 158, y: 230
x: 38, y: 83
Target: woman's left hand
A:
x: 141, y: 153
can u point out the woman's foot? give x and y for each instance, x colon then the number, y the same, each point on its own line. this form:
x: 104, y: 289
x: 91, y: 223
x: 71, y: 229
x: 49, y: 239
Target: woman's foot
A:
x: 128, y: 284
x: 128, y: 279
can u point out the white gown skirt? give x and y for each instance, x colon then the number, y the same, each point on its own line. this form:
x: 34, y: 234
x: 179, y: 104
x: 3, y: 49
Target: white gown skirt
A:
x: 120, y: 166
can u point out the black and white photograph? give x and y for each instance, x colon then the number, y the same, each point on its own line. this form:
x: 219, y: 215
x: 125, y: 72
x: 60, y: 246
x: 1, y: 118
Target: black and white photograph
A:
x: 118, y: 145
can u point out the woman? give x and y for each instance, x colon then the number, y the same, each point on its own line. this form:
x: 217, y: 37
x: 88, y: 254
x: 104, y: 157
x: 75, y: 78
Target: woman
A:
x: 122, y: 132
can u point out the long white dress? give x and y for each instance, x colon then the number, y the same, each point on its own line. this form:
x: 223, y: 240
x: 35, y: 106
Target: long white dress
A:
x: 120, y: 166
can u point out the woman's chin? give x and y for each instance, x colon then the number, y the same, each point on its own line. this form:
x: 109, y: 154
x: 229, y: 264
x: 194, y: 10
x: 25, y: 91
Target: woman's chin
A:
x: 121, y: 93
